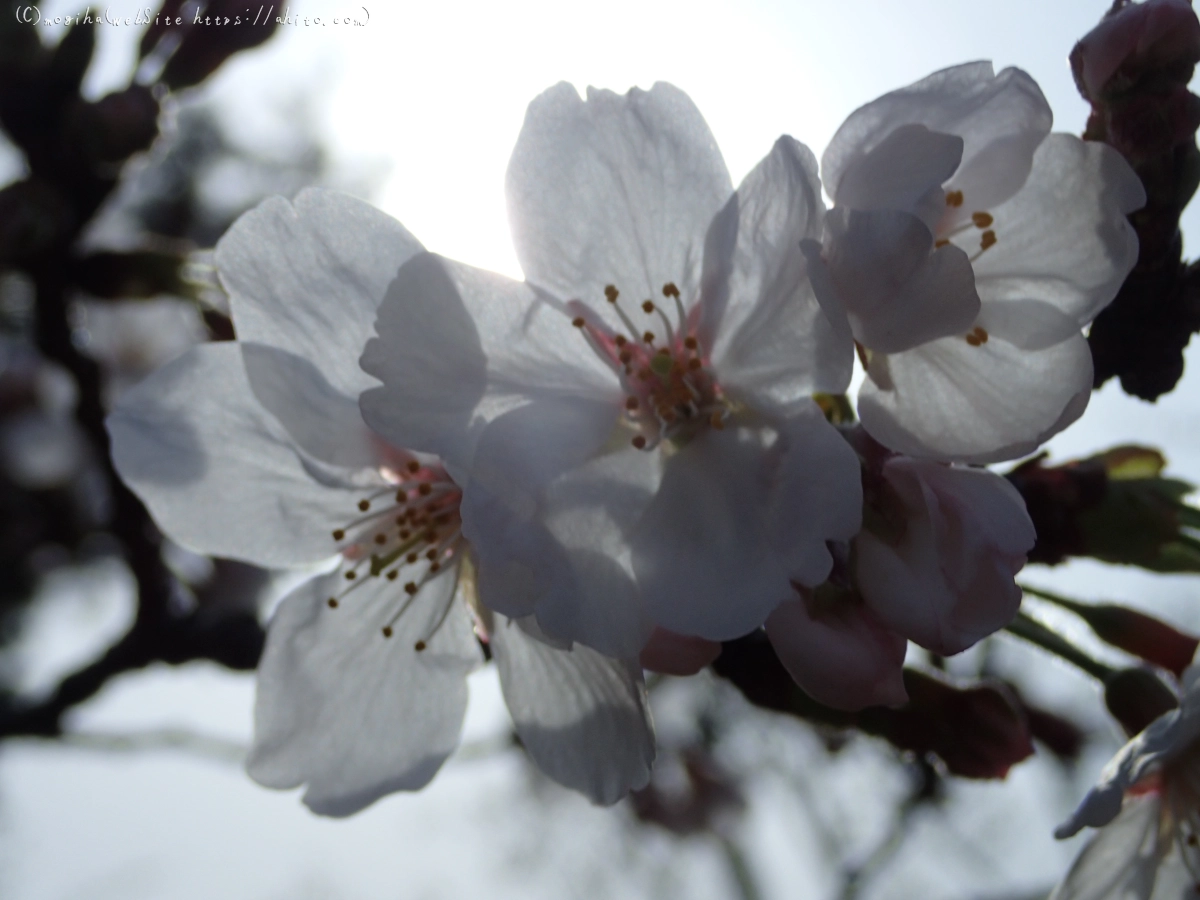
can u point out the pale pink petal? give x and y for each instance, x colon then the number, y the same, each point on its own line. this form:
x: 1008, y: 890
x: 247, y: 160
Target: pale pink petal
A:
x: 582, y: 717
x: 350, y: 713
x: 459, y: 346
x: 843, y: 658
x: 549, y: 514
x: 701, y: 550
x: 767, y: 333
x: 896, y: 293
x: 218, y: 472
x: 1001, y: 119
x: 1121, y: 862
x: 1064, y: 239
x: 307, y: 277
x: 619, y: 190
x: 953, y: 401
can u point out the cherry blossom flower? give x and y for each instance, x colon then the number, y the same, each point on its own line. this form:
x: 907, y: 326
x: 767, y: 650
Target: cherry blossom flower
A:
x: 966, y: 249
x: 634, y: 423
x: 256, y: 450
x: 937, y: 558
x: 1147, y: 809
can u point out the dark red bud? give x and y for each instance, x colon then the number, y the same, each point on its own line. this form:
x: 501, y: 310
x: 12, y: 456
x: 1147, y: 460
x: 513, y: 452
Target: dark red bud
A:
x: 1136, y: 697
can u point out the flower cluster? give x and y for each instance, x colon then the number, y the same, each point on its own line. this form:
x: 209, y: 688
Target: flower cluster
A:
x: 632, y: 455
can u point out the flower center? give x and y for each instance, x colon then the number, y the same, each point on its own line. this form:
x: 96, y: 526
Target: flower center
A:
x: 408, y: 532
x: 671, y: 391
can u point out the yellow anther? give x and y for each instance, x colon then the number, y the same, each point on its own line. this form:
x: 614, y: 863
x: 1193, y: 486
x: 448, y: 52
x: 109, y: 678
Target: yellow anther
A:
x: 981, y: 219
x: 987, y: 239
x: 977, y: 337
x: 954, y: 198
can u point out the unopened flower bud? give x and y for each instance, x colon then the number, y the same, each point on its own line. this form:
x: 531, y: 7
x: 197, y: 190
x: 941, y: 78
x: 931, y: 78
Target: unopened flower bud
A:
x: 978, y: 732
x: 1137, y: 633
x: 939, y: 550
x: 1115, y: 506
x: 1136, y: 697
x: 1133, y: 37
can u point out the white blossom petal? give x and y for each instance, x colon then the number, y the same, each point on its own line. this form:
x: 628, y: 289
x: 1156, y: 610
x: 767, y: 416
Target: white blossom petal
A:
x: 549, y: 511
x: 307, y: 277
x: 701, y: 551
x: 815, y: 495
x: 767, y: 333
x: 218, y: 473
x: 458, y: 347
x: 323, y: 421
x: 1146, y: 753
x: 1121, y: 862
x: 350, y: 713
x: 843, y: 658
x: 953, y: 401
x: 581, y: 716
x: 1001, y: 119
x: 897, y: 295
x: 904, y: 171
x: 1064, y: 239
x: 615, y: 190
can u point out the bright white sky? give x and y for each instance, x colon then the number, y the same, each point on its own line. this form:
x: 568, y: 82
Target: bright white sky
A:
x: 437, y: 91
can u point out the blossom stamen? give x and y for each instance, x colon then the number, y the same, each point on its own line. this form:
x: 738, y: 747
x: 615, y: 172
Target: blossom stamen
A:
x: 423, y: 539
x: 670, y: 393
